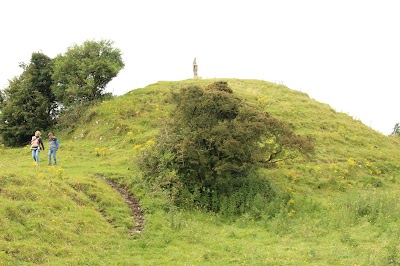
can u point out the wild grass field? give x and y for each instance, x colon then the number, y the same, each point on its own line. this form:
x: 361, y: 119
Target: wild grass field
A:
x: 338, y: 207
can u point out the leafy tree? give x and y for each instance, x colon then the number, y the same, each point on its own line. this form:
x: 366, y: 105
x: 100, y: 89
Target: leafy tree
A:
x: 214, y: 139
x: 39, y: 77
x: 28, y: 103
x: 82, y: 73
x: 1, y: 99
x: 396, y: 130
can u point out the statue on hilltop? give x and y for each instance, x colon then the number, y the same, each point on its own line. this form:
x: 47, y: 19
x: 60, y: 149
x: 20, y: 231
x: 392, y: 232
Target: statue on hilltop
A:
x: 195, y: 68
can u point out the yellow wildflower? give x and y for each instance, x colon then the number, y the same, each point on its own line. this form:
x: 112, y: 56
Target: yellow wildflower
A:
x: 150, y: 143
x: 351, y: 162
x: 289, y: 189
x: 333, y: 166
x: 60, y: 172
x: 137, y: 147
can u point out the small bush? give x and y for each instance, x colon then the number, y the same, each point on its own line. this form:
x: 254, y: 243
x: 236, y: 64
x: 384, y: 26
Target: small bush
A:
x: 372, y: 181
x: 67, y: 121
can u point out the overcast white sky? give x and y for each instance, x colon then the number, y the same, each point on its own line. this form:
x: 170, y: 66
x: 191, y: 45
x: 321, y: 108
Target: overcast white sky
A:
x: 345, y: 53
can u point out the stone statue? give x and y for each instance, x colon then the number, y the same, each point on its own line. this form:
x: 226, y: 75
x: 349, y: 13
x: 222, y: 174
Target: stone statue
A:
x: 195, y: 69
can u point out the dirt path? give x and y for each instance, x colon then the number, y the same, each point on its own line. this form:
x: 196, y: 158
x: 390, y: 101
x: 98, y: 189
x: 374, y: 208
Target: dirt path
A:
x: 133, y: 203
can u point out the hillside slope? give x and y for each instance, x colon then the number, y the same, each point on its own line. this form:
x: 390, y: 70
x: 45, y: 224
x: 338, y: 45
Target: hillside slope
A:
x: 341, y: 206
x: 141, y: 110
x: 135, y: 118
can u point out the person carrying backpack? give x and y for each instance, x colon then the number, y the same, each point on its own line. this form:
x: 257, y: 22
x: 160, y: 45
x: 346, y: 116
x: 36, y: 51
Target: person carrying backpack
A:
x: 53, y: 147
x: 36, y: 146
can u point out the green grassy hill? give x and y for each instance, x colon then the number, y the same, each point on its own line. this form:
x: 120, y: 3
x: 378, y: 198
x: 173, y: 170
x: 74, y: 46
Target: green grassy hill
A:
x: 342, y: 206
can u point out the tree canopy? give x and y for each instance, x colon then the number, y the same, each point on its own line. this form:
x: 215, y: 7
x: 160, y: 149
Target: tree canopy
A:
x: 33, y: 100
x: 82, y: 73
x: 28, y: 103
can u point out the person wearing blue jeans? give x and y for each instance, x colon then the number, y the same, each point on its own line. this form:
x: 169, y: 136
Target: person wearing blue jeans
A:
x: 35, y: 154
x: 36, y: 146
x: 53, y: 147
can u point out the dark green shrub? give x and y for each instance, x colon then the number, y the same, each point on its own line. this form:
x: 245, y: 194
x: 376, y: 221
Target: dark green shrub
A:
x: 213, y: 143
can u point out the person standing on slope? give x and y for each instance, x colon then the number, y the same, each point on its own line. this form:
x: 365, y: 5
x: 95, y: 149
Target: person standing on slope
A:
x: 36, y: 146
x: 53, y: 147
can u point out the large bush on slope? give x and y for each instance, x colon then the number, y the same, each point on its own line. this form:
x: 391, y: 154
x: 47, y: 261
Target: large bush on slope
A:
x: 209, y: 150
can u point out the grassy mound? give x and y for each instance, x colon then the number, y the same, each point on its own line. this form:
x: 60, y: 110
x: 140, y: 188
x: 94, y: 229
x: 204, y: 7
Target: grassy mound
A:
x: 337, y: 208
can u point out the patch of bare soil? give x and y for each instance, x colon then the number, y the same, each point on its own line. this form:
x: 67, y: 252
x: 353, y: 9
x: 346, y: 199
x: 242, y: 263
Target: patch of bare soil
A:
x: 133, y: 203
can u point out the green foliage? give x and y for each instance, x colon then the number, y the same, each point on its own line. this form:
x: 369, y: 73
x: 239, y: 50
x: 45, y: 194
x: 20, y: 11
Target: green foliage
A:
x: 28, y: 103
x: 212, y: 143
x: 396, y: 130
x: 2, y: 148
x: 67, y: 121
x: 82, y: 73
x: 2, y: 98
